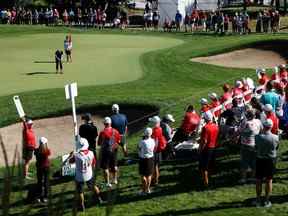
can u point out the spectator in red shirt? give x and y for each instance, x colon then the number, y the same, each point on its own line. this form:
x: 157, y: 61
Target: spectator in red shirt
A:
x: 226, y: 96
x: 160, y: 146
x: 271, y: 115
x: 283, y: 72
x: 238, y: 88
x: 29, y: 144
x: 189, y: 125
x: 204, y: 105
x: 262, y: 77
x: 109, y: 139
x: 208, y: 143
x: 215, y: 103
x: 42, y: 154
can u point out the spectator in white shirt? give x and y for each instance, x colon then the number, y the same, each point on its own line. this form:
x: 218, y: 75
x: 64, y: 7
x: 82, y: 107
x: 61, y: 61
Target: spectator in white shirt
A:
x: 146, y: 162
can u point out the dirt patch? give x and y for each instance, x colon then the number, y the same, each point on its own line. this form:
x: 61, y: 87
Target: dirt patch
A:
x: 59, y: 130
x: 264, y: 54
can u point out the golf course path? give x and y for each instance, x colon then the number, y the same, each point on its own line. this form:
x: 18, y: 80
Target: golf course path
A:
x: 265, y: 55
x: 59, y: 132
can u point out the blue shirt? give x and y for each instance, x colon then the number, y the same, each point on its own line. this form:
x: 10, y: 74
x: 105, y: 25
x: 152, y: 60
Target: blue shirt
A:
x: 119, y: 122
x: 270, y: 98
x: 178, y: 17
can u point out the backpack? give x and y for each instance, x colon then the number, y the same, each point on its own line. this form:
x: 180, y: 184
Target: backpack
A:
x: 107, y: 144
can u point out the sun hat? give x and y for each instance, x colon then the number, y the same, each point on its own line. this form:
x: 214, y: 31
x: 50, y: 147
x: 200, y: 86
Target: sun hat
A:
x: 107, y: 120
x: 115, y: 107
x: 208, y: 116
x: 169, y: 117
x: 155, y: 119
x: 268, y: 108
x: 268, y: 123
x: 148, y: 132
x: 43, y: 140
x: 82, y: 144
x: 203, y: 101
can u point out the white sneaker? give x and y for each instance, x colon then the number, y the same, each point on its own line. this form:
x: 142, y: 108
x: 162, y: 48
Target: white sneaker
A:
x: 149, y: 191
x: 115, y: 181
x: 267, y: 204
x: 108, y: 185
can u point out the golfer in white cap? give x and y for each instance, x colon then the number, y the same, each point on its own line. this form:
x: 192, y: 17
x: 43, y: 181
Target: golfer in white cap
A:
x: 266, y: 145
x: 109, y: 139
x: 120, y: 123
x: 85, y: 162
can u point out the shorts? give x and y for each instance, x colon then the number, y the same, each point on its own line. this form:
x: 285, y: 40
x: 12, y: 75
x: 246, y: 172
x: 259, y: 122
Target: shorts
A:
x: 68, y: 52
x: 27, y: 154
x: 205, y: 159
x: 157, y: 158
x: 247, y: 158
x: 146, y: 166
x: 265, y: 168
x: 108, y: 160
x: 122, y: 140
x: 80, y: 185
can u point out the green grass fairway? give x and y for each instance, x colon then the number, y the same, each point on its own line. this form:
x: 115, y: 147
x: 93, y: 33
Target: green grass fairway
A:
x: 97, y: 60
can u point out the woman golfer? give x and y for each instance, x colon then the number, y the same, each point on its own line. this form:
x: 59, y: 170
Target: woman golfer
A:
x: 68, y: 48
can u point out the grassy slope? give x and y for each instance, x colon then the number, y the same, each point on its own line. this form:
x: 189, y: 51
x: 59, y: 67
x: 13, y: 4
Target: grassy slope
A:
x: 171, y: 81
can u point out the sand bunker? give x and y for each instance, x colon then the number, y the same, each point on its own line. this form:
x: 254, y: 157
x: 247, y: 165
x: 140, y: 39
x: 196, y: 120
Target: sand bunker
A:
x: 265, y: 54
x: 59, y: 130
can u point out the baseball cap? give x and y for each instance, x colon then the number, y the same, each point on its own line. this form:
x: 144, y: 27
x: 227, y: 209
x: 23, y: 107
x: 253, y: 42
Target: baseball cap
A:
x: 282, y: 66
x: 262, y: 70
x: 43, y: 140
x: 107, y: 120
x: 29, y: 121
x: 169, y: 117
x: 268, y: 108
x: 115, y: 107
x: 155, y: 119
x: 212, y: 95
x: 239, y: 84
x: 203, y: 101
x: 268, y: 123
x: 208, y: 116
x: 148, y: 132
x: 82, y: 144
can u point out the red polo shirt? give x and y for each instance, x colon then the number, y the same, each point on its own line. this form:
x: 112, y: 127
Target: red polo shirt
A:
x: 159, y: 138
x: 190, y: 122
x: 209, y: 135
x: 263, y: 80
x: 106, y: 134
x: 275, y: 121
x: 29, y: 138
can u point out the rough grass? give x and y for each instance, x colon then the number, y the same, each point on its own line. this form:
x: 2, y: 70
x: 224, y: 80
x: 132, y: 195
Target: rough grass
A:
x: 170, y: 81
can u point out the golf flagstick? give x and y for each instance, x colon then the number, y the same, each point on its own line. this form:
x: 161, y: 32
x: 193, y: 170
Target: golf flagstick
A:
x: 71, y: 92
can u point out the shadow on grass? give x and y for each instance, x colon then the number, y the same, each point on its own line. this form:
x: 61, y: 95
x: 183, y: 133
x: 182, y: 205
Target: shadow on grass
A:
x: 40, y: 73
x: 248, y: 203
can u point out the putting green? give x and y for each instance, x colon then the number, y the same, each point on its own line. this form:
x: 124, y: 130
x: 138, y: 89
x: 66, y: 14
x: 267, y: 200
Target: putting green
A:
x: 98, y: 59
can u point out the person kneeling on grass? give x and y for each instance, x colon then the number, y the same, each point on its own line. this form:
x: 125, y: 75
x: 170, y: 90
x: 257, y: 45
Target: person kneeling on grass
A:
x: 85, y: 162
x: 42, y: 154
x: 146, y: 162
x: 266, y: 145
x: 58, y: 61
